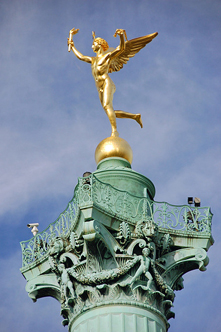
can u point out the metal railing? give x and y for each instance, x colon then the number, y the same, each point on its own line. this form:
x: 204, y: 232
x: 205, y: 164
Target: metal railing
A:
x: 37, y: 247
x: 126, y: 206
x: 123, y: 206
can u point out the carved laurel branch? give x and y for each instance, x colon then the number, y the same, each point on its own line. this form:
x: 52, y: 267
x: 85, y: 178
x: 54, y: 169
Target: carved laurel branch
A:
x: 161, y: 284
x: 104, y: 276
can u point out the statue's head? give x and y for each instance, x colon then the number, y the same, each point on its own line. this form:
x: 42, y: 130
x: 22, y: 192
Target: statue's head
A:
x: 145, y: 251
x: 99, y: 41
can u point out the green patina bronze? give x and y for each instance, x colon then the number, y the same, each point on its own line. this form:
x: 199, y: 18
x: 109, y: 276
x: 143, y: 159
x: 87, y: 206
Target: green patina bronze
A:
x: 115, y: 257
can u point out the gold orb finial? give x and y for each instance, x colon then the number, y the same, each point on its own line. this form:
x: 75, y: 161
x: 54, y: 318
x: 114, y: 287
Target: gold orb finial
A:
x: 113, y: 147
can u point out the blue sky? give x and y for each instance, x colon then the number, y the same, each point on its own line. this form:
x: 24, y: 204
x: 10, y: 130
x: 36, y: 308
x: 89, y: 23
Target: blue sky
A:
x: 52, y: 121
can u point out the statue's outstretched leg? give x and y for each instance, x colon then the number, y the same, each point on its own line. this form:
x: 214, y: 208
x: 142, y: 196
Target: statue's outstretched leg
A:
x: 136, y: 117
x: 112, y: 118
x: 150, y: 278
x: 71, y: 289
x: 106, y: 98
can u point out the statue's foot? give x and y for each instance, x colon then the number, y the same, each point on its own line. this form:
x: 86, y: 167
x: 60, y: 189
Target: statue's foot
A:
x: 138, y: 119
x: 115, y: 133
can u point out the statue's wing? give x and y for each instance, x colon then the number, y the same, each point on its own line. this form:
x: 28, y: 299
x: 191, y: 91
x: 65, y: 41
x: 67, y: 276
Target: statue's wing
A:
x: 132, y: 47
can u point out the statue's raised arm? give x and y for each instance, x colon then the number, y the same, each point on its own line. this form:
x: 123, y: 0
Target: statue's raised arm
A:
x: 106, y: 61
x: 122, y: 34
x: 131, y: 48
x: 72, y: 47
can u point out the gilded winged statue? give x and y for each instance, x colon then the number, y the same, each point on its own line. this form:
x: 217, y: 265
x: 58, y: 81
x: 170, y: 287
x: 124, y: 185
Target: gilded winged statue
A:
x: 106, y: 61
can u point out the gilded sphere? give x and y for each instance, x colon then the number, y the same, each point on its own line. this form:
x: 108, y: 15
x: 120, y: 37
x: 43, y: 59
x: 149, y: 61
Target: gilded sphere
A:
x: 113, y: 147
